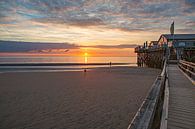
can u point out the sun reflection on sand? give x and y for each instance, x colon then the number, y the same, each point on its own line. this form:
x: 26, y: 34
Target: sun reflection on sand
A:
x: 86, y: 59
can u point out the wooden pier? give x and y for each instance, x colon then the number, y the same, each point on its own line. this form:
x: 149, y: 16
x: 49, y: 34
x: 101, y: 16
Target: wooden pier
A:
x: 170, y: 104
x: 181, y: 108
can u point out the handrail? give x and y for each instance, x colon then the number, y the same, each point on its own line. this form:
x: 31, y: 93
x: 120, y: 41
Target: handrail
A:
x: 164, y: 68
x: 151, y: 107
x: 188, y: 68
x: 188, y: 71
x: 190, y: 63
x: 145, y: 114
x: 164, y: 116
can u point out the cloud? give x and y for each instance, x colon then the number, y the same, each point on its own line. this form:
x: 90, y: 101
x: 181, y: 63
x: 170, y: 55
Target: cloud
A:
x: 86, y: 22
x: 190, y: 23
x: 39, y: 16
x: 15, y: 46
x: 82, y: 22
x: 190, y: 6
x: 121, y: 46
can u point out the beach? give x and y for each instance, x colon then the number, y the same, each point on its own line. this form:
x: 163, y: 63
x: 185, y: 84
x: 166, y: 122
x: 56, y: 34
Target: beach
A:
x: 101, y: 98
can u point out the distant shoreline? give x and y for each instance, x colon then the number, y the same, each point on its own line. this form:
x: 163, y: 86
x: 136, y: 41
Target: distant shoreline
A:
x: 59, y: 64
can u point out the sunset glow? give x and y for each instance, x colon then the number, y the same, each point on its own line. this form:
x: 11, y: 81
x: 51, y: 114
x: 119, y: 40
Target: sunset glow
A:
x: 86, y: 54
x: 106, y: 28
x: 89, y: 64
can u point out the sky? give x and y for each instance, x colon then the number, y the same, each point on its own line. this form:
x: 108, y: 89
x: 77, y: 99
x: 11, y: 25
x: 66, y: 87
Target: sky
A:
x: 99, y: 24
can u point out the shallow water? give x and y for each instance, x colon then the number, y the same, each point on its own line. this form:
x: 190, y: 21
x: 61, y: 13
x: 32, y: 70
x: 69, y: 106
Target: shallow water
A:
x: 66, y: 59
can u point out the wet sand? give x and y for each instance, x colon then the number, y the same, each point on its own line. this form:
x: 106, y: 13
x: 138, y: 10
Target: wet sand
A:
x: 103, y: 98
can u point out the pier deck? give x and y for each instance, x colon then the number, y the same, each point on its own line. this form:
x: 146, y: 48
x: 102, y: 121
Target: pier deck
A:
x: 181, y: 110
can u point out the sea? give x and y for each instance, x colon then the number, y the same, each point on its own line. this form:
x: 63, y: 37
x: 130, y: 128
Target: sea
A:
x: 61, y: 63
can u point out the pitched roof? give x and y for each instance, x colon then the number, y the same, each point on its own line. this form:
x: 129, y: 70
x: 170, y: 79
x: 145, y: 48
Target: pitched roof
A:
x: 179, y: 36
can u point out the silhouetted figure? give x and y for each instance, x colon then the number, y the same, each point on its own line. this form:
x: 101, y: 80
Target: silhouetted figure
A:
x: 110, y: 64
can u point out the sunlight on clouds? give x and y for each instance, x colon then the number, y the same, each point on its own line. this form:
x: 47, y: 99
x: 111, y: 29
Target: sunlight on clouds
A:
x: 36, y: 32
x: 94, y: 23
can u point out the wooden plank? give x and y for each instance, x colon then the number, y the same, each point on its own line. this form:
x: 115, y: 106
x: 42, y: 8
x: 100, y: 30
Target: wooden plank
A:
x: 181, y: 113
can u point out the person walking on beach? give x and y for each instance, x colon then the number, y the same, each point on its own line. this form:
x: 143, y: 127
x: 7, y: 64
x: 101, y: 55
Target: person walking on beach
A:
x: 110, y: 64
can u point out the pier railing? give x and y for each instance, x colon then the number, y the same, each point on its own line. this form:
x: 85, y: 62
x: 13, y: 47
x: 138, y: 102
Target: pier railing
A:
x: 188, y: 68
x: 149, y: 114
x: 142, y: 50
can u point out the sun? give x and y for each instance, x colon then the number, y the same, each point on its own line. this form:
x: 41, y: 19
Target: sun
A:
x: 86, y: 54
